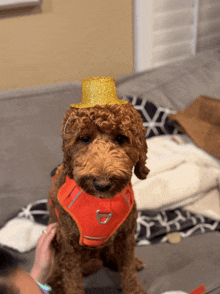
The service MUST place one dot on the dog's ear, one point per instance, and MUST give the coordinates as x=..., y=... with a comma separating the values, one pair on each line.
x=69, y=136
x=140, y=170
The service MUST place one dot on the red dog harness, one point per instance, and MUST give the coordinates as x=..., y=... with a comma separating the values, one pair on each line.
x=97, y=219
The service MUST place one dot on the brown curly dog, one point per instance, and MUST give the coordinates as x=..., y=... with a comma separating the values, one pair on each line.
x=101, y=145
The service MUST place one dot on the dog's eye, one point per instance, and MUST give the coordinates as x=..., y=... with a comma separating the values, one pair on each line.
x=85, y=140
x=121, y=139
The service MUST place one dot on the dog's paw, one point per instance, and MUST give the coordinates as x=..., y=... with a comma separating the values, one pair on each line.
x=139, y=264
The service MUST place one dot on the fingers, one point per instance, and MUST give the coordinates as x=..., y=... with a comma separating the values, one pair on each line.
x=50, y=234
x=43, y=256
x=51, y=227
x=51, y=230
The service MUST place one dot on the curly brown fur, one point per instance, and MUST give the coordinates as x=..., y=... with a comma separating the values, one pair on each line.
x=101, y=146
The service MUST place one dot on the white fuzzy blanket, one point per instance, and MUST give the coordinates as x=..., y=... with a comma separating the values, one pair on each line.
x=181, y=175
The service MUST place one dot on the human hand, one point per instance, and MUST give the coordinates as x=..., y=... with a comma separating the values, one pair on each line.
x=44, y=259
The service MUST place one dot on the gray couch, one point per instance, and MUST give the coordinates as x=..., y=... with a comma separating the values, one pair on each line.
x=31, y=148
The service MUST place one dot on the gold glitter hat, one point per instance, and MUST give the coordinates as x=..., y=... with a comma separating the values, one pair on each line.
x=98, y=90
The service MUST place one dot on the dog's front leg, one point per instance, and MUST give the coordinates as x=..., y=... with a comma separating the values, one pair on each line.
x=72, y=274
x=126, y=264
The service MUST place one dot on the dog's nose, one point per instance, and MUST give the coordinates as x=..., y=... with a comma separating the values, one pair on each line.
x=101, y=185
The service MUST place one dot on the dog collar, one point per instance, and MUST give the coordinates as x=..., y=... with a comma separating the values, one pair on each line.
x=97, y=219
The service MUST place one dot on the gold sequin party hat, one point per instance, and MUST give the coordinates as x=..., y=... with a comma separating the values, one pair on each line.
x=98, y=90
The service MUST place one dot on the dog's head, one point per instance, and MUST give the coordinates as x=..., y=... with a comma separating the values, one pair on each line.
x=101, y=146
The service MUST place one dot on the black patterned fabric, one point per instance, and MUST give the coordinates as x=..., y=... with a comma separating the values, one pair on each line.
x=36, y=212
x=152, y=227
x=155, y=118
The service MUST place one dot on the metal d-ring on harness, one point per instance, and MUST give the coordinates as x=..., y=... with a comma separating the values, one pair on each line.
x=99, y=215
x=108, y=215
